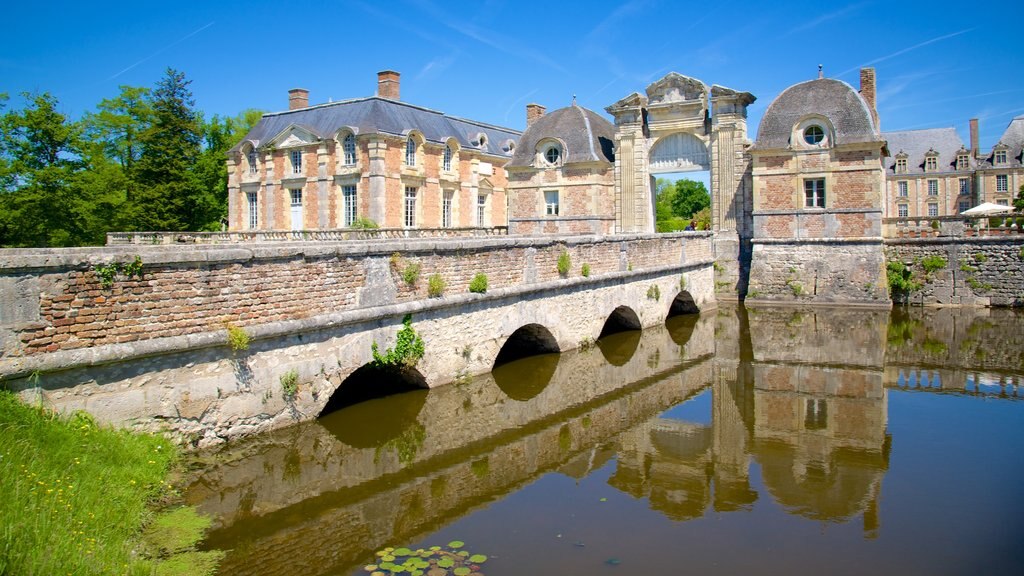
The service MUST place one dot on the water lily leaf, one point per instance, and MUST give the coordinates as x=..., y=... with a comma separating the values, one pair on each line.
x=478, y=558
x=417, y=572
x=435, y=548
x=398, y=569
x=446, y=562
x=386, y=565
x=456, y=544
x=461, y=571
x=388, y=558
x=402, y=552
x=462, y=553
x=604, y=499
x=370, y=568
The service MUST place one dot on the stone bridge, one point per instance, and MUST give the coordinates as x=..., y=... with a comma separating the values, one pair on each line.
x=148, y=345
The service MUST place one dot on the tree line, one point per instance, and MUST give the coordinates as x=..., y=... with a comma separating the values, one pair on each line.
x=146, y=160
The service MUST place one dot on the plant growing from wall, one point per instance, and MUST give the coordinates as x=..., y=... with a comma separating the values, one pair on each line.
x=436, y=285
x=290, y=384
x=654, y=293
x=795, y=287
x=238, y=339
x=407, y=352
x=364, y=223
x=411, y=273
x=682, y=282
x=980, y=257
x=478, y=285
x=585, y=270
x=900, y=279
x=564, y=263
x=932, y=264
x=108, y=273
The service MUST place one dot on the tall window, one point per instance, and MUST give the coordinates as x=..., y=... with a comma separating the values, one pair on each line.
x=901, y=165
x=551, y=202
x=446, y=208
x=933, y=209
x=1000, y=157
x=348, y=195
x=901, y=210
x=410, y=206
x=962, y=162
x=931, y=164
x=348, y=146
x=446, y=161
x=254, y=212
x=901, y=188
x=1002, y=185
x=410, y=152
x=296, y=212
x=481, y=209
x=296, y=161
x=963, y=206
x=965, y=187
x=814, y=193
x=933, y=187
x=253, y=166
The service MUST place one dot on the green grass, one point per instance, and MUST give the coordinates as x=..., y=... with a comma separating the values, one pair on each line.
x=76, y=495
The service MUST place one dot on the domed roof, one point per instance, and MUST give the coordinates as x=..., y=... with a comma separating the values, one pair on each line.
x=586, y=135
x=834, y=99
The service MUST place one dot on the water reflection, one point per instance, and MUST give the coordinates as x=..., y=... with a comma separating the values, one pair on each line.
x=797, y=414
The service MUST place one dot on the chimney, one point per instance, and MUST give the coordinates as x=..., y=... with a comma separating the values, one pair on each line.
x=533, y=113
x=387, y=84
x=974, y=137
x=867, y=91
x=298, y=98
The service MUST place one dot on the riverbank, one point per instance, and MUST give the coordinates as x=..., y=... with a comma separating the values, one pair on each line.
x=79, y=499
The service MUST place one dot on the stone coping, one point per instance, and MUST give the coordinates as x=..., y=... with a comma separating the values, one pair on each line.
x=845, y=240
x=19, y=366
x=34, y=258
x=815, y=211
x=994, y=239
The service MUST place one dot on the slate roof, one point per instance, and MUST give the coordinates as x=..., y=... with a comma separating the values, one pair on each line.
x=375, y=115
x=1013, y=137
x=585, y=135
x=833, y=99
x=916, y=143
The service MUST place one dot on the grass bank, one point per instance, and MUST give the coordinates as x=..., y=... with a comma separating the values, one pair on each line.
x=76, y=499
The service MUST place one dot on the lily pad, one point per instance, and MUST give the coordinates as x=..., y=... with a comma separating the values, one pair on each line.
x=463, y=553
x=370, y=567
x=402, y=552
x=435, y=548
x=461, y=571
x=388, y=558
x=478, y=558
x=456, y=544
x=446, y=562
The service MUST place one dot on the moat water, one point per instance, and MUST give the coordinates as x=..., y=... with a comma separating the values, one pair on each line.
x=761, y=441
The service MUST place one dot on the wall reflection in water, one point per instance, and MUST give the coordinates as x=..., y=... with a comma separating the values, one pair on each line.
x=798, y=415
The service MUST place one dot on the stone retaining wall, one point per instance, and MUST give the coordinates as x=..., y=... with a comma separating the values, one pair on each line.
x=985, y=271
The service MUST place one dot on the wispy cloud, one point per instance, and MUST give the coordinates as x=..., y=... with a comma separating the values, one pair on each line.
x=164, y=49
x=518, y=101
x=393, y=20
x=905, y=50
x=436, y=66
x=920, y=103
x=824, y=18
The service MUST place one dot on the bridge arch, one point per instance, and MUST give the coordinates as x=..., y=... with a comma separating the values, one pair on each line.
x=621, y=319
x=369, y=382
x=682, y=304
x=527, y=340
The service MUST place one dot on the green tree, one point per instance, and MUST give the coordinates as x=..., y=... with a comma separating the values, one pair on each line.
x=40, y=148
x=167, y=197
x=690, y=197
x=1018, y=203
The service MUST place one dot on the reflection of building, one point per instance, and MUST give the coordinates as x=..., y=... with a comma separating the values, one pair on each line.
x=328, y=165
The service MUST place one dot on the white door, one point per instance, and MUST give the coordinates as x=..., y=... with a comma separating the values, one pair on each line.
x=296, y=209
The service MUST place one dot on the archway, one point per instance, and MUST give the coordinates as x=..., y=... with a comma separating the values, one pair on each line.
x=620, y=336
x=528, y=340
x=621, y=319
x=374, y=406
x=682, y=304
x=525, y=378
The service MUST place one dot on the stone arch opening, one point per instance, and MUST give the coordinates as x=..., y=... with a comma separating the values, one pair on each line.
x=528, y=340
x=622, y=319
x=682, y=304
x=525, y=378
x=371, y=382
x=679, y=152
x=374, y=406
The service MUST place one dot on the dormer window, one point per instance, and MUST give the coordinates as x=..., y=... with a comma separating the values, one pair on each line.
x=552, y=155
x=962, y=162
x=253, y=162
x=348, y=146
x=296, y=157
x=901, y=165
x=931, y=164
x=482, y=139
x=999, y=158
x=814, y=134
x=410, y=152
x=446, y=160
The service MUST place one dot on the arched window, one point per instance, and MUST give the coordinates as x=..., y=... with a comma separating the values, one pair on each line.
x=253, y=159
x=410, y=152
x=348, y=146
x=446, y=162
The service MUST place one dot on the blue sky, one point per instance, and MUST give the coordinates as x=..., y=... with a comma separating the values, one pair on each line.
x=938, y=63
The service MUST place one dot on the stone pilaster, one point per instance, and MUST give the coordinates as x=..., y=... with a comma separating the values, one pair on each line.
x=377, y=176
x=323, y=188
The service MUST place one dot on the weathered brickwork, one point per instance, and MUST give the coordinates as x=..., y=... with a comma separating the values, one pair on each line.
x=986, y=271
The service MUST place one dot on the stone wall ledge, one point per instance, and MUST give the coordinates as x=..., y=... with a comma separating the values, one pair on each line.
x=850, y=240
x=24, y=259
x=962, y=240
x=21, y=366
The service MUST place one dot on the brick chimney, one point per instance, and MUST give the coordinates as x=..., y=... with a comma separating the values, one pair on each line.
x=533, y=113
x=974, y=137
x=298, y=98
x=867, y=91
x=387, y=84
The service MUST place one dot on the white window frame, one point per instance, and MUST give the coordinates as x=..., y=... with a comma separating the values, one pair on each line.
x=350, y=205
x=447, y=202
x=296, y=158
x=901, y=165
x=253, y=160
x=348, y=147
x=252, y=198
x=965, y=187
x=963, y=162
x=446, y=160
x=933, y=187
x=1002, y=183
x=409, y=206
x=410, y=152
x=999, y=158
x=902, y=188
x=814, y=193
x=931, y=164
x=902, y=210
x=933, y=209
x=481, y=210
x=551, y=202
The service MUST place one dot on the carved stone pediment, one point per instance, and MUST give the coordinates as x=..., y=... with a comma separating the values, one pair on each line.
x=293, y=136
x=675, y=87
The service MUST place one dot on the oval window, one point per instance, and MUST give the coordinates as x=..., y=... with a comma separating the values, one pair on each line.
x=814, y=134
x=552, y=154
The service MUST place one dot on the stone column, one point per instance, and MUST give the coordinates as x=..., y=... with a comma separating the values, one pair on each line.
x=323, y=188
x=377, y=176
x=633, y=208
x=268, y=199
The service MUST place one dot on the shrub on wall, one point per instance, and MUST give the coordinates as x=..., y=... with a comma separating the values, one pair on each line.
x=407, y=352
x=435, y=286
x=478, y=284
x=585, y=270
x=564, y=263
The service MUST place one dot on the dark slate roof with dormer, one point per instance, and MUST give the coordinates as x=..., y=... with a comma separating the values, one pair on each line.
x=1013, y=139
x=375, y=115
x=585, y=135
x=833, y=99
x=917, y=143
